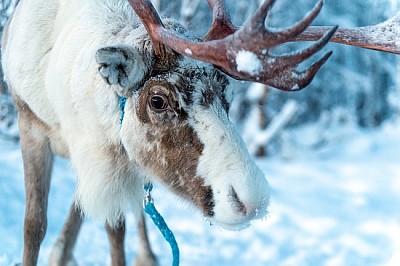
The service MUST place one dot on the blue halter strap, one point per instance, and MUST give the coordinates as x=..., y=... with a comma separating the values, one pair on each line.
x=159, y=221
x=122, y=102
x=151, y=210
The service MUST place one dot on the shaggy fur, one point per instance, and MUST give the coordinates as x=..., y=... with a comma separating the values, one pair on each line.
x=69, y=62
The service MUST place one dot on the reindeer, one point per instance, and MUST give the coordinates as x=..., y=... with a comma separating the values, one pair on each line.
x=68, y=64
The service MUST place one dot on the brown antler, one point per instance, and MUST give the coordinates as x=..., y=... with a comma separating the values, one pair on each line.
x=384, y=36
x=244, y=53
x=221, y=25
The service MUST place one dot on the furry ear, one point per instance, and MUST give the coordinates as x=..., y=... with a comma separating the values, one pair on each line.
x=123, y=65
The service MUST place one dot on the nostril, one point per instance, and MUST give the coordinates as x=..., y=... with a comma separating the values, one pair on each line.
x=237, y=205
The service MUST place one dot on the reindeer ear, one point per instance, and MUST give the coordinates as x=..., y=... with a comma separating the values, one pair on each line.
x=123, y=65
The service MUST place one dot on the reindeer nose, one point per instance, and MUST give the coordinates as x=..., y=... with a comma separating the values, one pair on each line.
x=237, y=204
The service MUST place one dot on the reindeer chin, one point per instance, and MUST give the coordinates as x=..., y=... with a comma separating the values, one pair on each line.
x=240, y=224
x=241, y=221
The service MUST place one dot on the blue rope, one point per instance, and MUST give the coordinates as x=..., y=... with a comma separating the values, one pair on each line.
x=159, y=221
x=122, y=102
x=149, y=207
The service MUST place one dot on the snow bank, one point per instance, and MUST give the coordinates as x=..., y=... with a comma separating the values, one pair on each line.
x=336, y=208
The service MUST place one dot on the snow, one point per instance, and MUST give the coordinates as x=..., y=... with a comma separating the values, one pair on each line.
x=337, y=205
x=248, y=62
x=188, y=51
x=255, y=91
x=277, y=123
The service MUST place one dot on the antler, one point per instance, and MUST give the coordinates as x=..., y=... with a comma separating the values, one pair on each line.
x=221, y=25
x=384, y=36
x=231, y=49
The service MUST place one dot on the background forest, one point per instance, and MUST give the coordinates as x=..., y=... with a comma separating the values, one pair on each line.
x=355, y=86
x=330, y=153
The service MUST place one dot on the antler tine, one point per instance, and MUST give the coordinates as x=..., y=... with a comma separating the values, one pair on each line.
x=295, y=81
x=252, y=39
x=152, y=22
x=284, y=66
x=380, y=37
x=301, y=25
x=259, y=17
x=221, y=25
x=256, y=24
x=297, y=57
x=305, y=78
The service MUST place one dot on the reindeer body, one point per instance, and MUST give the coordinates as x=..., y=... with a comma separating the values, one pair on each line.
x=68, y=63
x=57, y=76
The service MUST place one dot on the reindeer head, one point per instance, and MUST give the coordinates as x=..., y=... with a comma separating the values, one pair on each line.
x=189, y=144
x=176, y=128
x=176, y=125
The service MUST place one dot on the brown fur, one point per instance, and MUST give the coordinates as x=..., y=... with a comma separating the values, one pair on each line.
x=166, y=132
x=116, y=237
x=66, y=241
x=38, y=161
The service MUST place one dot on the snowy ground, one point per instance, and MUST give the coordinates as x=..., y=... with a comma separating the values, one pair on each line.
x=339, y=205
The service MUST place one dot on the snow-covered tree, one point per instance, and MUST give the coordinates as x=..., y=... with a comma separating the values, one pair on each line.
x=355, y=85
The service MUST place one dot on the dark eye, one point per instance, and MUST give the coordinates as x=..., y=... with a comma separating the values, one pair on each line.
x=158, y=102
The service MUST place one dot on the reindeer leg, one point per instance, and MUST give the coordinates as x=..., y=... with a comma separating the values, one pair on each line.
x=61, y=254
x=145, y=256
x=116, y=237
x=38, y=162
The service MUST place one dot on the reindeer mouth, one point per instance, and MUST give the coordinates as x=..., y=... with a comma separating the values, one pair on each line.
x=241, y=214
x=242, y=223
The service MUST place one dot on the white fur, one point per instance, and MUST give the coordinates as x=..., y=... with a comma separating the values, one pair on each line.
x=50, y=64
x=56, y=255
x=226, y=163
x=105, y=188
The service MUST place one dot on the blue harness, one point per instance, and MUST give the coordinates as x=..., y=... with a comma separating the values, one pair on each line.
x=149, y=207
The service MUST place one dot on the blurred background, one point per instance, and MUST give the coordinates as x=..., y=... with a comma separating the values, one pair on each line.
x=330, y=152
x=356, y=86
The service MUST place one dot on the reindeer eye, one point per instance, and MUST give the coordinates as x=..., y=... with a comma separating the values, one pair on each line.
x=158, y=102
